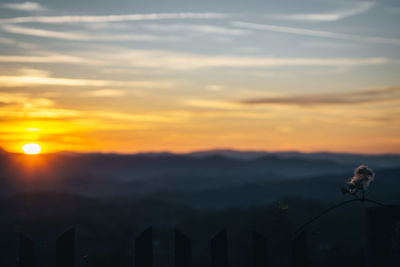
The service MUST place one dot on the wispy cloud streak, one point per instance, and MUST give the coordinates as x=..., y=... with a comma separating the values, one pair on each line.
x=315, y=33
x=45, y=33
x=31, y=80
x=49, y=58
x=159, y=59
x=76, y=36
x=7, y=41
x=347, y=98
x=104, y=93
x=359, y=8
x=112, y=18
x=204, y=28
x=25, y=6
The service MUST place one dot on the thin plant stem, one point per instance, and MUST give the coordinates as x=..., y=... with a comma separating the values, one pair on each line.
x=301, y=228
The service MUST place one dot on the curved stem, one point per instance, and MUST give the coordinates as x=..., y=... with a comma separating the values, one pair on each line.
x=334, y=207
x=323, y=213
x=373, y=201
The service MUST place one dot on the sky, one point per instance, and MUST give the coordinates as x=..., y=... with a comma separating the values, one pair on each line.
x=131, y=76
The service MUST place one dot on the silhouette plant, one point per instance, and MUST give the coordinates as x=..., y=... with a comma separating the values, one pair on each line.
x=363, y=176
x=357, y=186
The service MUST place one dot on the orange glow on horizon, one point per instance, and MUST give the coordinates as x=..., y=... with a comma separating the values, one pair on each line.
x=341, y=129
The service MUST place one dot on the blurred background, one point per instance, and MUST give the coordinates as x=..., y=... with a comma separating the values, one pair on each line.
x=196, y=115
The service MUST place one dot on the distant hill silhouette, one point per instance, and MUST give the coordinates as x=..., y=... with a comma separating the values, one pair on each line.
x=140, y=174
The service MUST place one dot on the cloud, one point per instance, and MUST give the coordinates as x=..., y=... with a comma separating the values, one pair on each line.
x=76, y=36
x=167, y=118
x=7, y=41
x=358, y=8
x=25, y=6
x=159, y=59
x=15, y=107
x=39, y=113
x=185, y=61
x=45, y=33
x=104, y=93
x=346, y=98
x=206, y=29
x=211, y=104
x=327, y=44
x=22, y=107
x=36, y=80
x=315, y=33
x=49, y=58
x=24, y=99
x=112, y=18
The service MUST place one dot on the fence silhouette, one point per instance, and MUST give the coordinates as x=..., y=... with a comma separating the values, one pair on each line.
x=383, y=245
x=65, y=250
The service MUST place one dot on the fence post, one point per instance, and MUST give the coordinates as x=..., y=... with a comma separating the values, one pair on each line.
x=144, y=249
x=26, y=253
x=65, y=249
x=383, y=236
x=260, y=248
x=219, y=250
x=183, y=250
x=300, y=250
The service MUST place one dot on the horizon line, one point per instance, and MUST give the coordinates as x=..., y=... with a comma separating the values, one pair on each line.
x=215, y=150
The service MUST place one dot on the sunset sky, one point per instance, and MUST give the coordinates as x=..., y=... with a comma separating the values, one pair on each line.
x=128, y=76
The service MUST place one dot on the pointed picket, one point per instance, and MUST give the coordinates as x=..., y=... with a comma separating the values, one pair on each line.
x=219, y=250
x=26, y=251
x=300, y=250
x=260, y=248
x=144, y=249
x=65, y=249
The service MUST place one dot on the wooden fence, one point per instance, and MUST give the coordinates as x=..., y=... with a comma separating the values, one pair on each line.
x=383, y=245
x=65, y=250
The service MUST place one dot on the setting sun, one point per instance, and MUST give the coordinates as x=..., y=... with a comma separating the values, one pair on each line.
x=31, y=148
